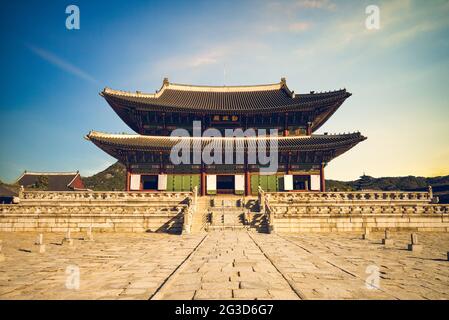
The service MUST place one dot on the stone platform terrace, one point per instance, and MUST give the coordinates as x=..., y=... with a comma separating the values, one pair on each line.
x=225, y=265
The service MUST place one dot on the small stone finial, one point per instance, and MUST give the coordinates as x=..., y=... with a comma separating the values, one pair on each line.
x=166, y=82
x=40, y=242
x=365, y=235
x=68, y=238
x=2, y=257
x=414, y=238
x=414, y=245
x=430, y=192
x=90, y=236
x=283, y=81
x=387, y=241
x=40, y=239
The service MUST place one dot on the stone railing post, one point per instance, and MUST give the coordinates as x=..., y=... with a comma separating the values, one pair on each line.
x=270, y=217
x=187, y=223
x=195, y=196
x=188, y=213
x=21, y=190
x=261, y=198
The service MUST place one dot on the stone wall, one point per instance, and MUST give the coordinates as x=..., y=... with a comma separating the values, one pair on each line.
x=104, y=211
x=173, y=212
x=354, y=211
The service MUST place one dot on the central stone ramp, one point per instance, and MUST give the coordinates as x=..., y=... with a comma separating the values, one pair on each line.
x=234, y=212
x=227, y=265
x=226, y=212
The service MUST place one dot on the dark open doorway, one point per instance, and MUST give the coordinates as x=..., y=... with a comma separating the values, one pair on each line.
x=149, y=182
x=301, y=182
x=225, y=183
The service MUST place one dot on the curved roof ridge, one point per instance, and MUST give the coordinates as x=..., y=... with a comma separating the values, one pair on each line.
x=65, y=173
x=224, y=88
x=199, y=88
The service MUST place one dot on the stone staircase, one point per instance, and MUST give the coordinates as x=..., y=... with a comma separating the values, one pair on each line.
x=228, y=212
x=226, y=218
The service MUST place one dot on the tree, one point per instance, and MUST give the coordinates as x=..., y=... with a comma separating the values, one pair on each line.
x=364, y=183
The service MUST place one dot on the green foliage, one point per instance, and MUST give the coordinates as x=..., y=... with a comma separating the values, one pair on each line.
x=334, y=185
x=111, y=179
x=13, y=188
x=40, y=184
x=364, y=183
x=440, y=185
x=387, y=183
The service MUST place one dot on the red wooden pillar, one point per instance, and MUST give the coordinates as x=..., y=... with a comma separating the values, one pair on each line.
x=203, y=181
x=247, y=183
x=128, y=177
x=286, y=125
x=309, y=128
x=322, y=180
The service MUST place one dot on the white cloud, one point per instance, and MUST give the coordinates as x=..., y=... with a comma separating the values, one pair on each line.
x=299, y=26
x=400, y=21
x=214, y=54
x=317, y=4
x=61, y=64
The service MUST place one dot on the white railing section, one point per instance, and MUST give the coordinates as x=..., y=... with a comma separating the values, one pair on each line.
x=189, y=211
x=353, y=196
x=101, y=196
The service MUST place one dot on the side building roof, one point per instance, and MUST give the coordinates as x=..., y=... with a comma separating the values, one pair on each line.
x=57, y=181
x=7, y=192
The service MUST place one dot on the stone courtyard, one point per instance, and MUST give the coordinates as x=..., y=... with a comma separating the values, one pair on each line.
x=229, y=264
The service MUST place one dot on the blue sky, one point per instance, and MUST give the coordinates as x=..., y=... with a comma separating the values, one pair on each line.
x=51, y=76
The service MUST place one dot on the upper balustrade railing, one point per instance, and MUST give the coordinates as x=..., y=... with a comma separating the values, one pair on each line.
x=352, y=196
x=101, y=196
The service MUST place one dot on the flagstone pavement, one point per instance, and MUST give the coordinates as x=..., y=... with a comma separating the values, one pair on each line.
x=223, y=265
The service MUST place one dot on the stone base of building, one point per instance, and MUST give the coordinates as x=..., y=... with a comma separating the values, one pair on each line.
x=99, y=223
x=184, y=213
x=360, y=223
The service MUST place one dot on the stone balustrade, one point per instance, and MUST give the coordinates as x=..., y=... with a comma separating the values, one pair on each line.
x=356, y=196
x=90, y=209
x=353, y=211
x=105, y=218
x=284, y=210
x=106, y=211
x=101, y=196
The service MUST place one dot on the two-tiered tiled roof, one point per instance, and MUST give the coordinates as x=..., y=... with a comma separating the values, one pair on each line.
x=274, y=101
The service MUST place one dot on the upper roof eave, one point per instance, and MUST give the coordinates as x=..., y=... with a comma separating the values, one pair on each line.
x=142, y=141
x=302, y=102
